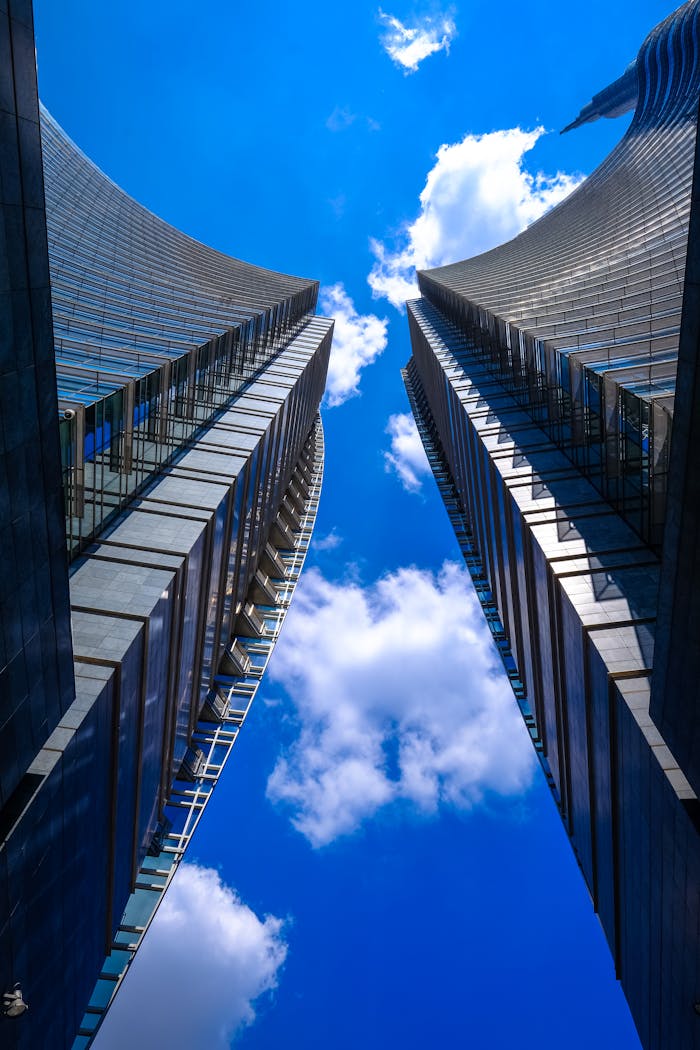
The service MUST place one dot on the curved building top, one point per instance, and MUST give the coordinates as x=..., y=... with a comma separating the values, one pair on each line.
x=583, y=309
x=154, y=333
x=621, y=207
x=124, y=280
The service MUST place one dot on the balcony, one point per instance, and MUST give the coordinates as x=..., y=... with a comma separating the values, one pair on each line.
x=250, y=623
x=215, y=708
x=302, y=477
x=272, y=563
x=290, y=512
x=236, y=660
x=263, y=590
x=159, y=837
x=281, y=534
x=193, y=765
x=297, y=497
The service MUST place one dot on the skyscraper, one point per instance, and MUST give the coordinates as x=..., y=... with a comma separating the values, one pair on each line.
x=543, y=381
x=161, y=467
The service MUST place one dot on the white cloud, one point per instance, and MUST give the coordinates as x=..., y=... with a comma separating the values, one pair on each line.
x=408, y=46
x=340, y=119
x=407, y=458
x=477, y=196
x=343, y=117
x=358, y=340
x=205, y=960
x=399, y=697
x=338, y=205
x=330, y=542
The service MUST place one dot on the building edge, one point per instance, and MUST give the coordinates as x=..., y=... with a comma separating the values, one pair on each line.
x=117, y=767
x=186, y=804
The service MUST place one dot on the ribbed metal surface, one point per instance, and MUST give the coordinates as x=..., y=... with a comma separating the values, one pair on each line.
x=124, y=279
x=580, y=314
x=154, y=333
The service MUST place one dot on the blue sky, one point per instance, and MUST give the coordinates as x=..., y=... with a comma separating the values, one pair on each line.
x=382, y=865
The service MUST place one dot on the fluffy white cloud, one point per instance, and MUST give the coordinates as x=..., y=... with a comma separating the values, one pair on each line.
x=205, y=960
x=408, y=46
x=358, y=340
x=407, y=458
x=477, y=196
x=399, y=697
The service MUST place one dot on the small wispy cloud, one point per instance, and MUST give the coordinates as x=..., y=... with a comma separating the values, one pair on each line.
x=167, y=1000
x=358, y=340
x=408, y=45
x=330, y=542
x=407, y=458
x=399, y=698
x=338, y=205
x=343, y=118
x=477, y=195
x=340, y=119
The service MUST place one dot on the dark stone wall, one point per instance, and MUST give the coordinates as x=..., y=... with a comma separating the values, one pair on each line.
x=36, y=673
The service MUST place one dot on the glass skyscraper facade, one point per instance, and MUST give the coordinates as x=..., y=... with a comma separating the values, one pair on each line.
x=553, y=381
x=161, y=467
